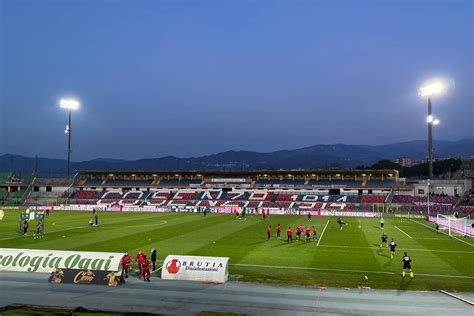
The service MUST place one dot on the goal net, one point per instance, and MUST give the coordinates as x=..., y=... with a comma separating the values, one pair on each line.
x=454, y=225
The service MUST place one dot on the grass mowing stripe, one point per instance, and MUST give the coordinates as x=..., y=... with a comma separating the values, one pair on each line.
x=347, y=270
x=442, y=232
x=403, y=232
x=321, y=237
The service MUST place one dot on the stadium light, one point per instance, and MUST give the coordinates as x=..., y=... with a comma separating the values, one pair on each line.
x=436, y=87
x=70, y=105
x=432, y=88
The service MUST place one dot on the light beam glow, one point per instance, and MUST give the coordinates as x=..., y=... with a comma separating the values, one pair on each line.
x=69, y=104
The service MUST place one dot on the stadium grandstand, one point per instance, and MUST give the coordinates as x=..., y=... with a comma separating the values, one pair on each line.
x=271, y=190
x=12, y=189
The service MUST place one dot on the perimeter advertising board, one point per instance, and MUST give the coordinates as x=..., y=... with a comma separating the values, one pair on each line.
x=32, y=260
x=86, y=277
x=193, y=268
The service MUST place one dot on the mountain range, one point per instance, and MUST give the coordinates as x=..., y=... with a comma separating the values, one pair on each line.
x=317, y=156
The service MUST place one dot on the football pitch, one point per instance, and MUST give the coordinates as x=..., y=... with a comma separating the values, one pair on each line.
x=340, y=258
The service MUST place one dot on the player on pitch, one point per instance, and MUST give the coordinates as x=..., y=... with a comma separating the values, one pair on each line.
x=340, y=222
x=315, y=234
x=269, y=232
x=278, y=231
x=392, y=245
x=407, y=265
x=289, y=235
x=298, y=232
x=384, y=238
x=307, y=232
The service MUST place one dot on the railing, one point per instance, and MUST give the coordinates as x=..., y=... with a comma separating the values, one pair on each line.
x=27, y=193
x=465, y=195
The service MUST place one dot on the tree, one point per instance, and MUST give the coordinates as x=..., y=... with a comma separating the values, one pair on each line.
x=386, y=164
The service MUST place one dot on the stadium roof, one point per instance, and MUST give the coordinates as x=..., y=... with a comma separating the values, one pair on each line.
x=385, y=172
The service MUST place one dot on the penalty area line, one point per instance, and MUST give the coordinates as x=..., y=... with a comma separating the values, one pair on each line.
x=322, y=234
x=347, y=270
x=403, y=232
x=442, y=232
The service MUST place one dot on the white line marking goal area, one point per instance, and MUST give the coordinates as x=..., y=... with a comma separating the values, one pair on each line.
x=321, y=237
x=404, y=232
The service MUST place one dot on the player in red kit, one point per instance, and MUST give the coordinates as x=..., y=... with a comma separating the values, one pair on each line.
x=269, y=231
x=278, y=230
x=146, y=269
x=315, y=233
x=307, y=232
x=298, y=232
x=126, y=260
x=289, y=235
x=139, y=259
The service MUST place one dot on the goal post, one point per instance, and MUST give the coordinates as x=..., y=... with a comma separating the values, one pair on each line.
x=455, y=225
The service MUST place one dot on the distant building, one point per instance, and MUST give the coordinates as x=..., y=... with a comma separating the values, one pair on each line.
x=404, y=161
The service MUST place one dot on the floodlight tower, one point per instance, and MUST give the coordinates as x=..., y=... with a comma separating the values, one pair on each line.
x=430, y=90
x=70, y=105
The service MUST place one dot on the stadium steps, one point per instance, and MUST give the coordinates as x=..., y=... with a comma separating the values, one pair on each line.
x=465, y=196
x=388, y=201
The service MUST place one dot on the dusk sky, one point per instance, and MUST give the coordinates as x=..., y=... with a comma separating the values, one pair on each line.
x=189, y=78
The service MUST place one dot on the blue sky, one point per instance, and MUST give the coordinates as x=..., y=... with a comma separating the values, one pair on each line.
x=189, y=78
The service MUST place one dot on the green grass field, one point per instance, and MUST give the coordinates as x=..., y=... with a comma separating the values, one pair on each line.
x=342, y=258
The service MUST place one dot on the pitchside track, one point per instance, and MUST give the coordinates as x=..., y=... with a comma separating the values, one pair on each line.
x=341, y=259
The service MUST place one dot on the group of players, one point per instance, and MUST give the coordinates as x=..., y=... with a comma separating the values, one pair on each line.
x=142, y=262
x=393, y=245
x=406, y=260
x=308, y=232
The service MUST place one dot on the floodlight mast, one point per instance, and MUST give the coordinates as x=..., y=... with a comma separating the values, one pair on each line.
x=70, y=105
x=428, y=91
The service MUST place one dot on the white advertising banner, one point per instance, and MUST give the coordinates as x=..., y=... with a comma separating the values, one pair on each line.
x=351, y=214
x=33, y=260
x=192, y=268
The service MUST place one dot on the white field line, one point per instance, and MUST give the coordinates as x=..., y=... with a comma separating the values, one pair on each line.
x=378, y=248
x=354, y=271
x=46, y=233
x=442, y=232
x=321, y=237
x=403, y=232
